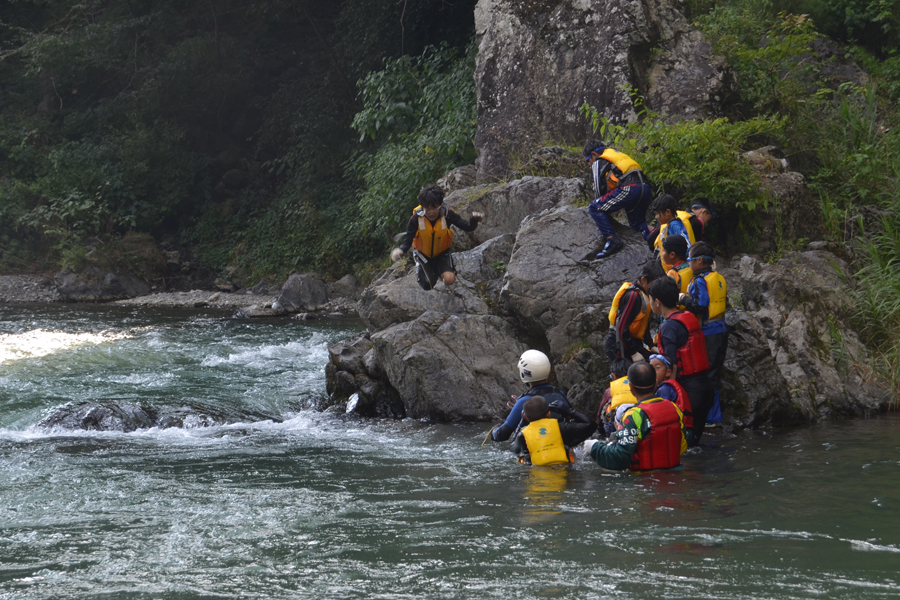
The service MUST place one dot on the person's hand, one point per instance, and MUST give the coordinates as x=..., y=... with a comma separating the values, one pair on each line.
x=396, y=254
x=637, y=357
x=586, y=447
x=476, y=217
x=683, y=298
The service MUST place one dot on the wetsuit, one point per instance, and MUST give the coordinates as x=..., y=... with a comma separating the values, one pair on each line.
x=430, y=269
x=555, y=397
x=636, y=427
x=574, y=426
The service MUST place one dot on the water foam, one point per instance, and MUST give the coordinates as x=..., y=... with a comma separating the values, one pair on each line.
x=41, y=342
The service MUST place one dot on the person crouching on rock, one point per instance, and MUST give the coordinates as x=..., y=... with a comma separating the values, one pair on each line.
x=651, y=435
x=534, y=371
x=430, y=236
x=619, y=184
x=545, y=439
x=682, y=342
x=629, y=320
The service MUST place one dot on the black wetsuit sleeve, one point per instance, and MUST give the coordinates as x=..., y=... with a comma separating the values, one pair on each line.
x=518, y=446
x=411, y=228
x=457, y=221
x=577, y=428
x=697, y=226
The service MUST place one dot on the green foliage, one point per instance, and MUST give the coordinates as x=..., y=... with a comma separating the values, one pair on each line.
x=694, y=158
x=420, y=112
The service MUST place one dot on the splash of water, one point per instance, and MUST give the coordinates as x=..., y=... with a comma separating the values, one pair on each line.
x=41, y=342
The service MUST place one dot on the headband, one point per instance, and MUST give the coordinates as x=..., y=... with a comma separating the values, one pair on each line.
x=662, y=358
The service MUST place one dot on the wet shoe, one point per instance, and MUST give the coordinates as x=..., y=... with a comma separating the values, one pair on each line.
x=612, y=246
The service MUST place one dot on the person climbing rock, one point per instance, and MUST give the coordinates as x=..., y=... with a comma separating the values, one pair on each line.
x=546, y=439
x=629, y=320
x=673, y=222
x=652, y=432
x=430, y=236
x=534, y=371
x=619, y=184
x=682, y=342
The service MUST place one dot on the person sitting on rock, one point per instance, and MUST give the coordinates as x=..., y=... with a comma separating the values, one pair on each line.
x=673, y=222
x=619, y=184
x=706, y=299
x=672, y=391
x=674, y=253
x=682, y=342
x=534, y=371
x=547, y=439
x=651, y=435
x=629, y=320
x=430, y=236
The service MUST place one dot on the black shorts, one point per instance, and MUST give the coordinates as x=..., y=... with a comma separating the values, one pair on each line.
x=428, y=273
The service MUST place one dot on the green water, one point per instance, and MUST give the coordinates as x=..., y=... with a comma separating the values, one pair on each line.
x=326, y=506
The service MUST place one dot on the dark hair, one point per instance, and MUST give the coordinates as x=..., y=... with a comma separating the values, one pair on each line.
x=701, y=202
x=642, y=376
x=703, y=249
x=592, y=145
x=431, y=195
x=652, y=270
x=665, y=290
x=676, y=244
x=536, y=408
x=664, y=203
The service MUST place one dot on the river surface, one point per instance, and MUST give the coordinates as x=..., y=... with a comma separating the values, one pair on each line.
x=326, y=506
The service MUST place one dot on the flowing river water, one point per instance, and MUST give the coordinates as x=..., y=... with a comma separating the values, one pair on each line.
x=322, y=505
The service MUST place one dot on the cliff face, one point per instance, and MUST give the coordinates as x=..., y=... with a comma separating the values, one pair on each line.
x=540, y=60
x=522, y=280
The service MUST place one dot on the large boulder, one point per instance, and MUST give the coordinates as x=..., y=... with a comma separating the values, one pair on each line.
x=451, y=367
x=539, y=61
x=93, y=284
x=504, y=207
x=301, y=292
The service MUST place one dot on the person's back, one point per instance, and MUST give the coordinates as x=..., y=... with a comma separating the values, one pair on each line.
x=546, y=440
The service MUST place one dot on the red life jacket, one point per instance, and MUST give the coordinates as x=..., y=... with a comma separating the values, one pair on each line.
x=683, y=402
x=692, y=357
x=663, y=447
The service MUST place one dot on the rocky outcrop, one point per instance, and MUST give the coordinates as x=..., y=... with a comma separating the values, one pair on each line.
x=28, y=288
x=93, y=284
x=301, y=292
x=539, y=61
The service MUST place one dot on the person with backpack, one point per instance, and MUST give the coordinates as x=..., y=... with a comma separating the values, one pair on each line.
x=629, y=320
x=673, y=222
x=428, y=233
x=546, y=439
x=619, y=184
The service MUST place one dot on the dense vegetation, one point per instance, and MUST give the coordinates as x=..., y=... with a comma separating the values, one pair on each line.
x=225, y=126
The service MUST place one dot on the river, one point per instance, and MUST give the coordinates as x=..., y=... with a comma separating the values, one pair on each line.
x=323, y=505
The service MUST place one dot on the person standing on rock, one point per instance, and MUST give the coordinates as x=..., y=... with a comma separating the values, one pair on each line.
x=619, y=184
x=547, y=439
x=534, y=371
x=707, y=299
x=673, y=222
x=682, y=343
x=428, y=233
x=651, y=435
x=629, y=320
x=674, y=253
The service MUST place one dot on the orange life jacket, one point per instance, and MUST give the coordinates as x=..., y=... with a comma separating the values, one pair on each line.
x=638, y=327
x=432, y=239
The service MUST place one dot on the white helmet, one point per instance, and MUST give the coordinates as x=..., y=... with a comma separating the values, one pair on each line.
x=534, y=366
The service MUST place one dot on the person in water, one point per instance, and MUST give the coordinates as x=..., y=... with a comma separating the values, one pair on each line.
x=534, y=371
x=706, y=299
x=672, y=391
x=428, y=233
x=619, y=184
x=682, y=343
x=673, y=222
x=651, y=435
x=547, y=439
x=629, y=320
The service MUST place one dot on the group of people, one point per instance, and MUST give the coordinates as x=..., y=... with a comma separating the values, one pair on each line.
x=663, y=387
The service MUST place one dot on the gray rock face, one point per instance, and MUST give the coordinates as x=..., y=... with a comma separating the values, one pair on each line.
x=539, y=61
x=450, y=367
x=301, y=292
x=28, y=288
x=345, y=287
x=506, y=206
x=356, y=381
x=95, y=285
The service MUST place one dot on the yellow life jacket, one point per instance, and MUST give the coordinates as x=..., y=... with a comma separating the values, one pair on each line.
x=685, y=219
x=430, y=239
x=622, y=162
x=621, y=393
x=638, y=327
x=545, y=443
x=718, y=291
x=682, y=278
